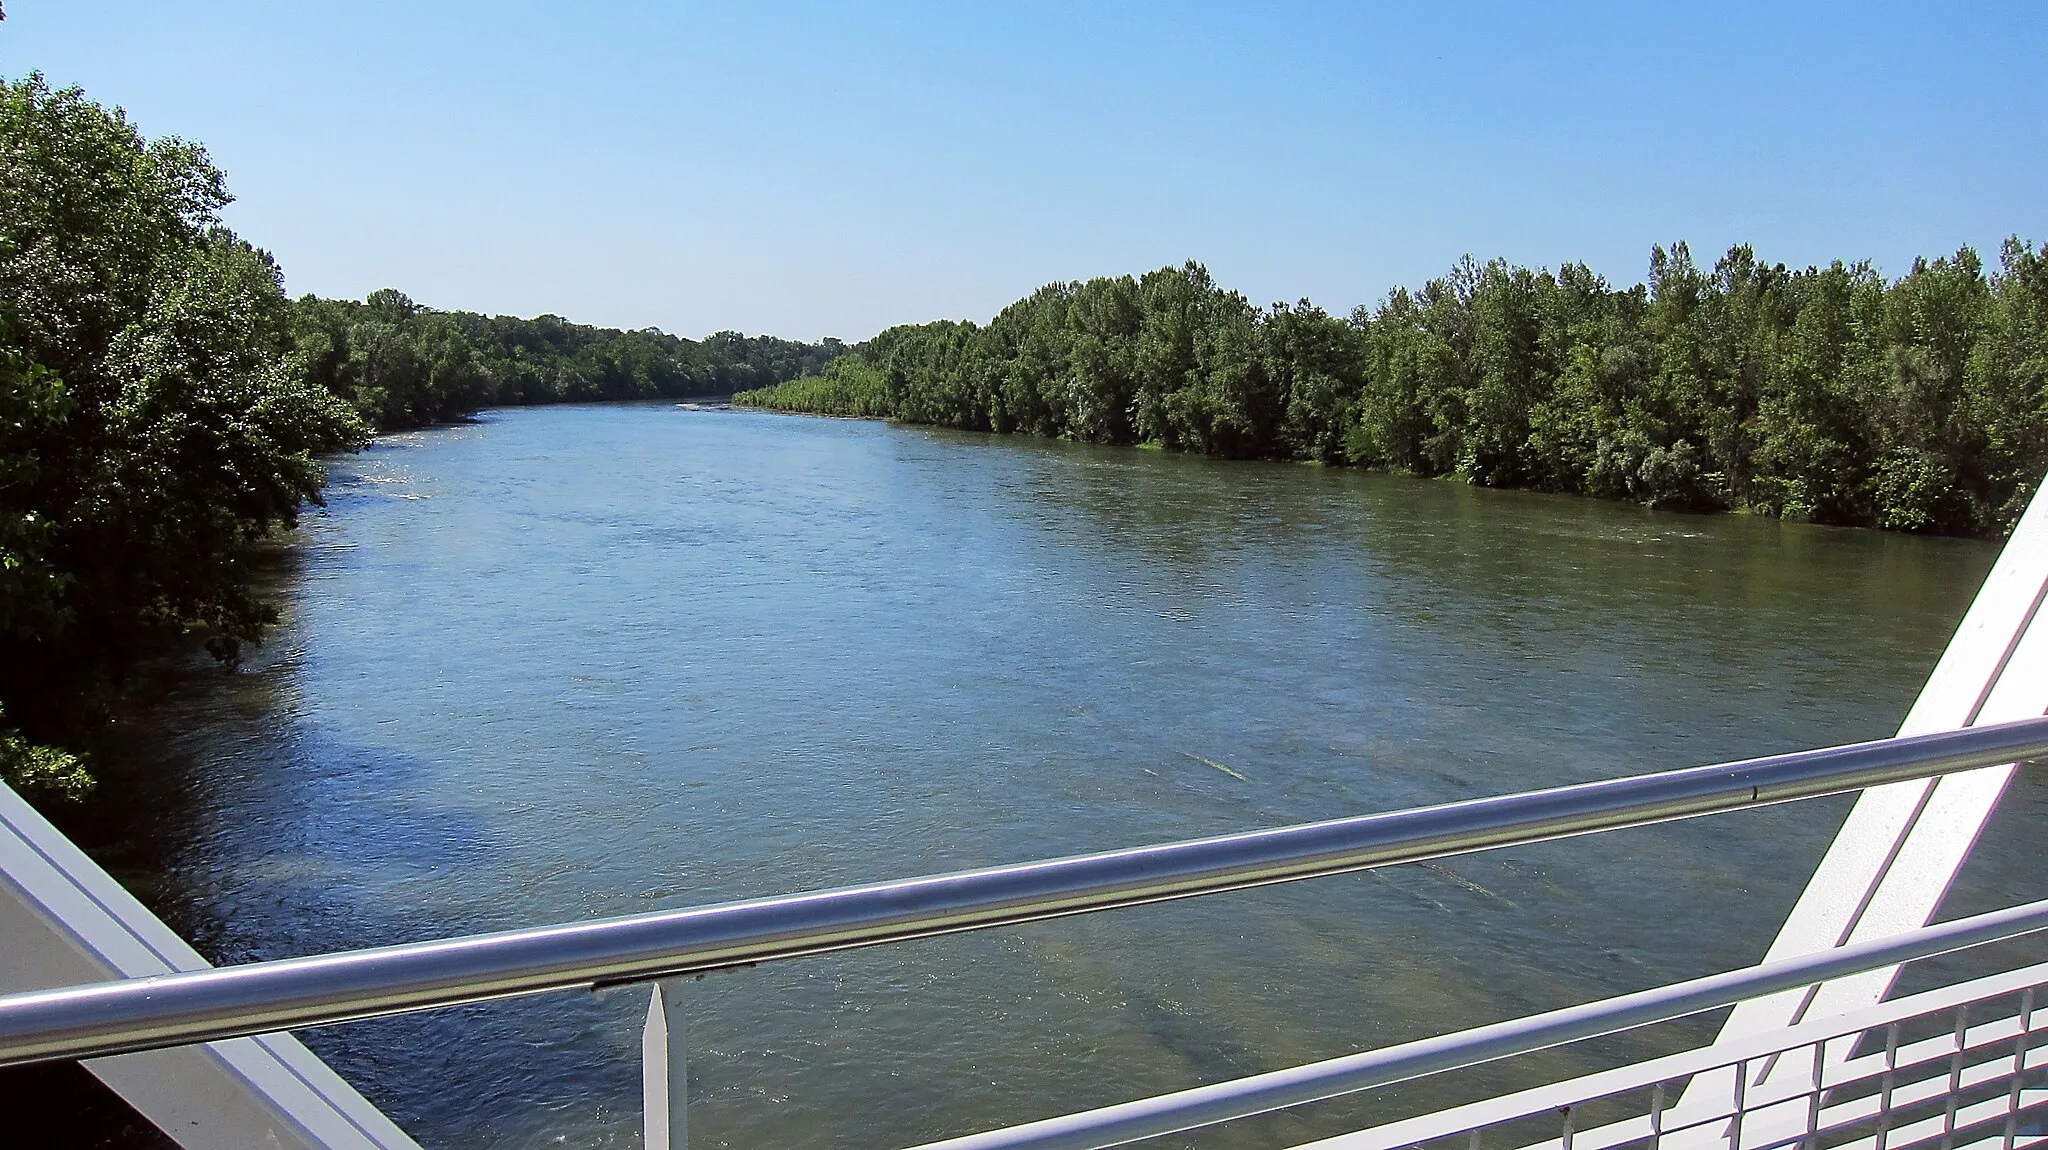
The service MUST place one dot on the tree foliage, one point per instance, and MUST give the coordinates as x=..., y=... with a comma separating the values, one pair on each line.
x=154, y=425
x=1824, y=394
x=400, y=364
x=849, y=386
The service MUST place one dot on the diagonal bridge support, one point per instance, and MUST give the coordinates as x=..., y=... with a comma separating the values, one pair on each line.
x=65, y=921
x=1903, y=844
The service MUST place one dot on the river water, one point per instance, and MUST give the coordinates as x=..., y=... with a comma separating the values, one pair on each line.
x=573, y=662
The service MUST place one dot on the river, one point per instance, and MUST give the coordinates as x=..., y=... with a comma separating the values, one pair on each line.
x=573, y=662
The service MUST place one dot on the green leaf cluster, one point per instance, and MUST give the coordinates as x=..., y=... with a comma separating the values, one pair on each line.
x=849, y=386
x=40, y=770
x=155, y=425
x=1824, y=394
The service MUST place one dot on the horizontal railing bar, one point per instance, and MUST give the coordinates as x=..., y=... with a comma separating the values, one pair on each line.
x=1601, y=1084
x=1979, y=1118
x=1908, y=1093
x=1933, y=1055
x=1262, y=1093
x=1927, y=1090
x=255, y=998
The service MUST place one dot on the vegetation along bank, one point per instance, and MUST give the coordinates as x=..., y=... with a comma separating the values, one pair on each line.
x=1826, y=394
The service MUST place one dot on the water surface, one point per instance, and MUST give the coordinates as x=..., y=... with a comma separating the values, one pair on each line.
x=574, y=662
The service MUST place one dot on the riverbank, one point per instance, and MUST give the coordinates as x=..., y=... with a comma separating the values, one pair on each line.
x=741, y=403
x=1827, y=394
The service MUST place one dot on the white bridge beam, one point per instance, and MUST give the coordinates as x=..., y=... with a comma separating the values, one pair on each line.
x=1902, y=845
x=64, y=921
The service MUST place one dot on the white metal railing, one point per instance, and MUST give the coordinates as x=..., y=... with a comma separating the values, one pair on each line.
x=99, y=1019
x=1263, y=1093
x=1974, y=1073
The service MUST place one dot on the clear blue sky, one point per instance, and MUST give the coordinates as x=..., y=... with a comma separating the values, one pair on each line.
x=807, y=170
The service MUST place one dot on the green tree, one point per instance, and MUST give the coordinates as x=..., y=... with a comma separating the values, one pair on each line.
x=156, y=428
x=1824, y=394
x=2006, y=382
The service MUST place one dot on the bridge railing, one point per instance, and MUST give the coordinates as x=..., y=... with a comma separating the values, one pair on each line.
x=205, y=1005
x=1318, y=1081
x=1958, y=1066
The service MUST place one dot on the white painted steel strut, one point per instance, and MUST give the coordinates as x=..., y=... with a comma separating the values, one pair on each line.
x=63, y=921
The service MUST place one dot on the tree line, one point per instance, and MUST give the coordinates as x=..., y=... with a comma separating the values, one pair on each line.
x=163, y=406
x=400, y=364
x=1826, y=394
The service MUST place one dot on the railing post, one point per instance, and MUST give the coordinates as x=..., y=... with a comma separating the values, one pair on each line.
x=665, y=1097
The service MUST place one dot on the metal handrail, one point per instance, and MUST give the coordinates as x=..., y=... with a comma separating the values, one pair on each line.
x=1201, y=1106
x=256, y=998
x=1731, y=1054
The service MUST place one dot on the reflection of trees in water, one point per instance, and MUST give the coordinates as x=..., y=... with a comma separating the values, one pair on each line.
x=1523, y=573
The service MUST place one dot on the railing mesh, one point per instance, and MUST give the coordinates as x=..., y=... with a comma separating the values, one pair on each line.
x=1963, y=1066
